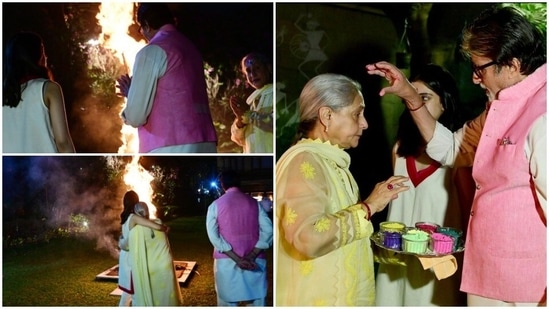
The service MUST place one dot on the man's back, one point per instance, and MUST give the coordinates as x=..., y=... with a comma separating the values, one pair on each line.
x=238, y=220
x=180, y=113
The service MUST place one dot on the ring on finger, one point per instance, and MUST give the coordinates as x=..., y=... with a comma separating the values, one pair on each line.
x=390, y=186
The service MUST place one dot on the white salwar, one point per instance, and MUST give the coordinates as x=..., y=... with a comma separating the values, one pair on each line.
x=232, y=284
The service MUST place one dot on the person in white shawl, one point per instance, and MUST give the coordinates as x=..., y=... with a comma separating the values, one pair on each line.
x=253, y=125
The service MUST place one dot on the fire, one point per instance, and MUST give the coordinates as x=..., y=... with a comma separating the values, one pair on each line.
x=115, y=18
x=139, y=180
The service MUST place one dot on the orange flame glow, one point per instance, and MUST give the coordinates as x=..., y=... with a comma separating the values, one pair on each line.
x=139, y=180
x=115, y=18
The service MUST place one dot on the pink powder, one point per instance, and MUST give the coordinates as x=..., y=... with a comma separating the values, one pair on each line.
x=442, y=243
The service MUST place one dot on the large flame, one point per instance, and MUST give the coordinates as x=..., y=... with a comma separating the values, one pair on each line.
x=115, y=18
x=139, y=180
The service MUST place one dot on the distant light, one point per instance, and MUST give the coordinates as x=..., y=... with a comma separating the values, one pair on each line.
x=86, y=223
x=93, y=42
x=213, y=184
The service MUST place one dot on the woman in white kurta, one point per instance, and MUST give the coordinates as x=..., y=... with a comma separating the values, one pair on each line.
x=33, y=108
x=431, y=198
x=323, y=251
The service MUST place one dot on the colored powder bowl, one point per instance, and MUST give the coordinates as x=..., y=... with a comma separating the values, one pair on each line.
x=456, y=235
x=415, y=242
x=390, y=226
x=392, y=240
x=442, y=243
x=428, y=227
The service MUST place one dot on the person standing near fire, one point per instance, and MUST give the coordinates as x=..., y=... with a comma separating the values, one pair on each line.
x=127, y=220
x=166, y=96
x=153, y=272
x=33, y=107
x=240, y=232
x=253, y=125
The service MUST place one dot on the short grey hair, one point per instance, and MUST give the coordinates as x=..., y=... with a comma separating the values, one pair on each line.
x=325, y=90
x=141, y=209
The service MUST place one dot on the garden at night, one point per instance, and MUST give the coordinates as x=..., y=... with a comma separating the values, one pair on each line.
x=61, y=221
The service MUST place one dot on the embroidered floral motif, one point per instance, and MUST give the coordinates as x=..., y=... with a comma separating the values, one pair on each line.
x=322, y=225
x=306, y=267
x=290, y=217
x=307, y=170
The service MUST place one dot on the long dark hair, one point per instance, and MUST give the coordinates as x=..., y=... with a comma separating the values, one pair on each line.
x=22, y=62
x=130, y=199
x=436, y=78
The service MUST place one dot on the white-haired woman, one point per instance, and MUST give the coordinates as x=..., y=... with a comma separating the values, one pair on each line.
x=324, y=256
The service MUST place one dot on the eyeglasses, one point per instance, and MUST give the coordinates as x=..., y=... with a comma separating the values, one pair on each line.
x=477, y=70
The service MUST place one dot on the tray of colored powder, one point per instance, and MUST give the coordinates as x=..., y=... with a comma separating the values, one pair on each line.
x=377, y=238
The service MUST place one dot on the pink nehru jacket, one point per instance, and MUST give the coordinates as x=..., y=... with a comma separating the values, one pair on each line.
x=238, y=222
x=180, y=113
x=505, y=250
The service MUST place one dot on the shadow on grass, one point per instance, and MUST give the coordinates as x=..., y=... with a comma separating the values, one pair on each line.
x=62, y=272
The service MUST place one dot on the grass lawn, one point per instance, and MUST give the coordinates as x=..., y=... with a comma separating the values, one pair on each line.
x=62, y=272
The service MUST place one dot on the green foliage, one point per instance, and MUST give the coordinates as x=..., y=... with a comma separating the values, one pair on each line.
x=113, y=168
x=219, y=94
x=536, y=13
x=78, y=223
x=165, y=184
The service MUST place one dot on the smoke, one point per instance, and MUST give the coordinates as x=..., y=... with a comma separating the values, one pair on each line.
x=95, y=114
x=97, y=126
x=79, y=187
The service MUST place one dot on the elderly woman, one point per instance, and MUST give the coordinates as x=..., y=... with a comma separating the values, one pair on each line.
x=128, y=220
x=155, y=282
x=324, y=257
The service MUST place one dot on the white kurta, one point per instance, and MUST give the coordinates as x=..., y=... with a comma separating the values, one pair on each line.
x=124, y=270
x=233, y=284
x=251, y=137
x=433, y=200
x=27, y=128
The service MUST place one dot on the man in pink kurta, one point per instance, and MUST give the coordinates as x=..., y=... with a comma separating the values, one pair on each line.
x=167, y=97
x=240, y=231
x=506, y=244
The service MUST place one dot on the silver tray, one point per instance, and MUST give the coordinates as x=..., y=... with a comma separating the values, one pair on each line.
x=376, y=238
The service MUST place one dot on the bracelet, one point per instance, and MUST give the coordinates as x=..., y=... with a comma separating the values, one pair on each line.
x=368, y=209
x=415, y=109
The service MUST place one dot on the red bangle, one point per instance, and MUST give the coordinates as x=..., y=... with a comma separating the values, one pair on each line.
x=368, y=209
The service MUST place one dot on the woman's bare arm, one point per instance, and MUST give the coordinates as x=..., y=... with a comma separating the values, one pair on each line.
x=53, y=98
